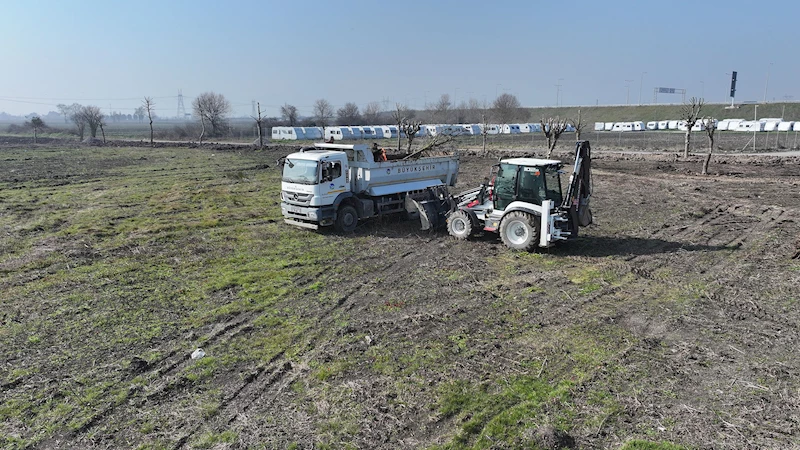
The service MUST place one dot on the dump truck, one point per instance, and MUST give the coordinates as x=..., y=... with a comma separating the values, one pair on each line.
x=338, y=185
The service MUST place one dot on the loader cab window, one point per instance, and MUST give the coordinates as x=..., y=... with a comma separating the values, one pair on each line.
x=505, y=186
x=531, y=185
x=552, y=182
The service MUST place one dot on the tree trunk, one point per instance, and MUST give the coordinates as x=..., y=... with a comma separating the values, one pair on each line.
x=261, y=139
x=151, y=131
x=484, y=145
x=34, y=135
x=577, y=135
x=103, y=130
x=202, y=128
x=687, y=140
x=398, y=138
x=705, y=163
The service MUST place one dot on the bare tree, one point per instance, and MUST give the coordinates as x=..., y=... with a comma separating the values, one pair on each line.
x=323, y=113
x=36, y=123
x=289, y=114
x=410, y=128
x=399, y=115
x=711, y=127
x=212, y=109
x=64, y=110
x=506, y=108
x=348, y=114
x=77, y=118
x=579, y=124
x=484, y=129
x=92, y=116
x=103, y=129
x=552, y=128
x=442, y=108
x=372, y=113
x=474, y=111
x=138, y=114
x=690, y=113
x=148, y=104
x=260, y=125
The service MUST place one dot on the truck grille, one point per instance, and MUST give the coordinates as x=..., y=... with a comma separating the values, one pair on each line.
x=296, y=198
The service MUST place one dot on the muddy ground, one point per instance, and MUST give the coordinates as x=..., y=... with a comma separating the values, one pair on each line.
x=674, y=317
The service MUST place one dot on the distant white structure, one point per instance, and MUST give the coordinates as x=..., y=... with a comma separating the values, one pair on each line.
x=312, y=132
x=638, y=126
x=338, y=133
x=750, y=126
x=287, y=133
x=663, y=124
x=771, y=124
x=493, y=129
x=652, y=126
x=599, y=126
x=672, y=124
x=733, y=124
x=511, y=128
x=786, y=126
x=608, y=126
x=622, y=126
x=796, y=126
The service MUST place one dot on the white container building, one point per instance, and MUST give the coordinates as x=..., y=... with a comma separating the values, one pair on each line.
x=663, y=124
x=652, y=126
x=786, y=126
x=312, y=132
x=608, y=126
x=287, y=133
x=638, y=126
x=511, y=128
x=750, y=126
x=622, y=126
x=599, y=126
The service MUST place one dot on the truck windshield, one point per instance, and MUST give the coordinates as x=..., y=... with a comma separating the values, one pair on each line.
x=300, y=171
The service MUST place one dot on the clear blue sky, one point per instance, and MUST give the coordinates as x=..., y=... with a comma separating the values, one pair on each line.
x=113, y=53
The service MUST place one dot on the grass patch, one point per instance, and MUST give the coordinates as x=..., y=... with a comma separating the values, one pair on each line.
x=649, y=445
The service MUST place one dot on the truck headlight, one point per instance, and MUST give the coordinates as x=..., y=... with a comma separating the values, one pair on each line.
x=312, y=215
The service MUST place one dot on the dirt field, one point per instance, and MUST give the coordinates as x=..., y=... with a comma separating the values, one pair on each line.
x=671, y=322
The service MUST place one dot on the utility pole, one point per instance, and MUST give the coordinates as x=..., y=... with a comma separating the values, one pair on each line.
x=755, y=119
x=766, y=84
x=628, y=95
x=641, y=81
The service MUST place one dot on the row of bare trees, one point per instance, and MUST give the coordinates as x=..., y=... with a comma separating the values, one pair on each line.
x=505, y=109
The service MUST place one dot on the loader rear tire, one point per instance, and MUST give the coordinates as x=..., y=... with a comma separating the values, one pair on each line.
x=459, y=225
x=519, y=231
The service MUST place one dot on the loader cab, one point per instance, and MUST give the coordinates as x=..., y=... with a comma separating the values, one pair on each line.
x=527, y=180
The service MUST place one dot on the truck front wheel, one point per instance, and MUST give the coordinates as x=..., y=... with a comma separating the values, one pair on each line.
x=519, y=231
x=346, y=219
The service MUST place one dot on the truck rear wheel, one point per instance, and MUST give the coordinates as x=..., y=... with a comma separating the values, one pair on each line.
x=346, y=219
x=459, y=225
x=519, y=231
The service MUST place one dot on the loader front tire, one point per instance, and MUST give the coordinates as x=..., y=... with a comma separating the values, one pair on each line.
x=459, y=225
x=519, y=231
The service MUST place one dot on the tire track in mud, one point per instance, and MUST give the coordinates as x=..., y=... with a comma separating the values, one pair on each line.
x=280, y=369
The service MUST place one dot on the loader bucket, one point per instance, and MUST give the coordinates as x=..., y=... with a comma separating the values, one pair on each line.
x=432, y=209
